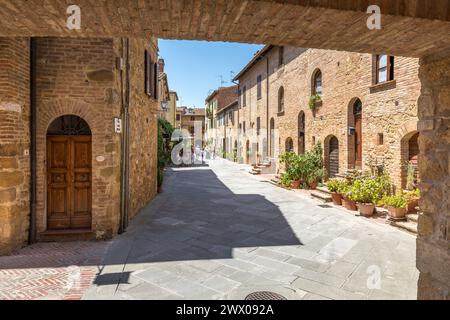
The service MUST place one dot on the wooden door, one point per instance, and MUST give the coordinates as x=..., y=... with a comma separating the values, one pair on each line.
x=358, y=142
x=333, y=158
x=69, y=194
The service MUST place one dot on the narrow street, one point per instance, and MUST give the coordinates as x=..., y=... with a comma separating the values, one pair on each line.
x=218, y=233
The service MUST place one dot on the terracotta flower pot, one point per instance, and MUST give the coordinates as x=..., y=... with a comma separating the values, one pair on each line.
x=397, y=213
x=295, y=184
x=337, y=198
x=349, y=204
x=366, y=209
x=412, y=204
x=313, y=185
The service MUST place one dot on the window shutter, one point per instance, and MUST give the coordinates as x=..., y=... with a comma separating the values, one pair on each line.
x=155, y=81
x=146, y=75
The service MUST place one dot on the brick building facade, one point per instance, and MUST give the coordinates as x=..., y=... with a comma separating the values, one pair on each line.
x=219, y=99
x=354, y=111
x=89, y=178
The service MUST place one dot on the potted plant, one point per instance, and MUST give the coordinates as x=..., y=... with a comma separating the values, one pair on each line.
x=335, y=186
x=397, y=206
x=364, y=193
x=347, y=200
x=314, y=177
x=412, y=198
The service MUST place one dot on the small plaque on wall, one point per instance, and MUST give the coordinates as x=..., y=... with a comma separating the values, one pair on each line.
x=117, y=125
x=100, y=158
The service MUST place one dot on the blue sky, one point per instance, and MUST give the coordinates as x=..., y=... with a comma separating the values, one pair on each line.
x=194, y=67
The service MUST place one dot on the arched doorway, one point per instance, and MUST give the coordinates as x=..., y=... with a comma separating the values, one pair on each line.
x=235, y=151
x=332, y=156
x=410, y=159
x=289, y=145
x=355, y=140
x=272, y=138
x=69, y=174
x=301, y=132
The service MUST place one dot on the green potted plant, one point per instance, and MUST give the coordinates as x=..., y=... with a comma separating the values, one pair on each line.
x=364, y=192
x=347, y=201
x=397, y=206
x=335, y=186
x=314, y=177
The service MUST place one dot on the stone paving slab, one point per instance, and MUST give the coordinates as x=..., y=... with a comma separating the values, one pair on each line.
x=219, y=233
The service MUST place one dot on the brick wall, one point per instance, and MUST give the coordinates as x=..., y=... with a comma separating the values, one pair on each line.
x=75, y=76
x=390, y=110
x=14, y=143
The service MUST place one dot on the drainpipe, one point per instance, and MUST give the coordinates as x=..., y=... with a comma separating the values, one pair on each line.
x=125, y=90
x=33, y=155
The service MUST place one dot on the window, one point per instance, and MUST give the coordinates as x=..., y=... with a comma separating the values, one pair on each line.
x=192, y=118
x=258, y=125
x=239, y=95
x=151, y=76
x=243, y=127
x=178, y=117
x=317, y=83
x=280, y=56
x=259, y=86
x=244, y=96
x=281, y=100
x=384, y=68
x=380, y=139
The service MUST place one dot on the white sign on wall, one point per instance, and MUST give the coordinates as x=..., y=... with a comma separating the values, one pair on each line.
x=117, y=125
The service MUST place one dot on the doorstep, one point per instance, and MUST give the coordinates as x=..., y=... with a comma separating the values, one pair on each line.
x=66, y=235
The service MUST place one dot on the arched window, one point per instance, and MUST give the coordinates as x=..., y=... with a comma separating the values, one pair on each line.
x=289, y=145
x=357, y=108
x=281, y=100
x=317, y=83
x=69, y=125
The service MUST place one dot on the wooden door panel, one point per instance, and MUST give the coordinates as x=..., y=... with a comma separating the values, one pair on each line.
x=69, y=182
x=333, y=169
x=58, y=178
x=82, y=185
x=358, y=142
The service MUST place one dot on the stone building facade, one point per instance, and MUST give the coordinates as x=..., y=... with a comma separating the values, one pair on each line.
x=193, y=121
x=219, y=99
x=89, y=178
x=354, y=111
x=227, y=134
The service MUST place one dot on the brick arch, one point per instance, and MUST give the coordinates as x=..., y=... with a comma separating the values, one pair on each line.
x=60, y=107
x=406, y=129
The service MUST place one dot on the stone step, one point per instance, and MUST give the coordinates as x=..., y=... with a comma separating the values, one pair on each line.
x=406, y=225
x=325, y=197
x=412, y=217
x=323, y=189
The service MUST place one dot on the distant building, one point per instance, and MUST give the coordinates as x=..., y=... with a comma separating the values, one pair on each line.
x=219, y=99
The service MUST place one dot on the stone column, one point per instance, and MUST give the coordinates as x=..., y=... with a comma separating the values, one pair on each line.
x=14, y=143
x=433, y=242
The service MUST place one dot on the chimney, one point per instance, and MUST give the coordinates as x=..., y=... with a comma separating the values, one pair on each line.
x=161, y=65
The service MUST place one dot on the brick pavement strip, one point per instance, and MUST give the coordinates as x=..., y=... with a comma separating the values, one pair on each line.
x=50, y=271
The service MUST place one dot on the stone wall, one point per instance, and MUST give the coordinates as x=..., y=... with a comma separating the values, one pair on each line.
x=143, y=129
x=433, y=243
x=14, y=142
x=390, y=110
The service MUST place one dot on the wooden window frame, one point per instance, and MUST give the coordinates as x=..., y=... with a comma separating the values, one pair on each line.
x=150, y=76
x=259, y=87
x=390, y=68
x=281, y=100
x=317, y=73
x=280, y=56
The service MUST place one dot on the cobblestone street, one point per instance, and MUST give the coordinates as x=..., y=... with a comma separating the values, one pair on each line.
x=218, y=233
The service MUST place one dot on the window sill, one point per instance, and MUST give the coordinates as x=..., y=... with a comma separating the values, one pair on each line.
x=388, y=85
x=280, y=114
